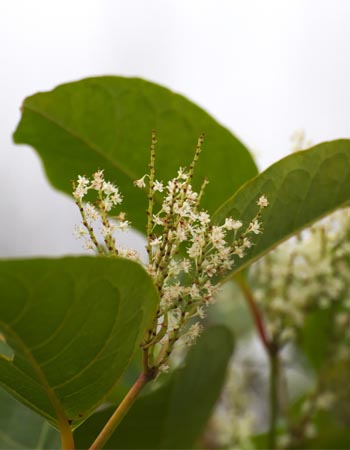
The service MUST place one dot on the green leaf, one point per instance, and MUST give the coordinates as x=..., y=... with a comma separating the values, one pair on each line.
x=22, y=428
x=73, y=324
x=301, y=188
x=106, y=123
x=174, y=416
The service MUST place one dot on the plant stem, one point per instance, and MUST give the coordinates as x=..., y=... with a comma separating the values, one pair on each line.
x=67, y=441
x=272, y=351
x=121, y=411
x=274, y=406
x=256, y=314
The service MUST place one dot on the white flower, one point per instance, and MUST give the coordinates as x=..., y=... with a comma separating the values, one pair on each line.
x=194, y=251
x=231, y=224
x=246, y=243
x=158, y=220
x=80, y=191
x=239, y=251
x=109, y=188
x=121, y=216
x=129, y=253
x=140, y=183
x=193, y=333
x=194, y=291
x=97, y=180
x=254, y=227
x=123, y=225
x=116, y=198
x=91, y=212
x=89, y=245
x=106, y=204
x=217, y=237
x=83, y=181
x=79, y=231
x=156, y=241
x=203, y=218
x=262, y=202
x=158, y=186
x=108, y=230
x=182, y=174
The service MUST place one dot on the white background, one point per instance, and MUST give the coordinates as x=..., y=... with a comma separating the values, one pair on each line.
x=263, y=68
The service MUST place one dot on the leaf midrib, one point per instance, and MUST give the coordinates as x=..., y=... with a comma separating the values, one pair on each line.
x=78, y=137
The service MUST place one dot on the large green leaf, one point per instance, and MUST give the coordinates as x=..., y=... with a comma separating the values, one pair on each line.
x=174, y=416
x=301, y=188
x=106, y=123
x=22, y=428
x=73, y=324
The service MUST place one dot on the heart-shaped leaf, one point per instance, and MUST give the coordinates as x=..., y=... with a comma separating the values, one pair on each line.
x=106, y=123
x=174, y=416
x=73, y=324
x=300, y=188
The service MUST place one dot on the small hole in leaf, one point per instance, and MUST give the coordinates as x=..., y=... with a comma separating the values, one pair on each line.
x=6, y=351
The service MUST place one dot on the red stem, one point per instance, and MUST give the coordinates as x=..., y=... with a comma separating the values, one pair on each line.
x=256, y=314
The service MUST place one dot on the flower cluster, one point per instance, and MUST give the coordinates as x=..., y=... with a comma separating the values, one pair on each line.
x=97, y=216
x=187, y=253
x=307, y=275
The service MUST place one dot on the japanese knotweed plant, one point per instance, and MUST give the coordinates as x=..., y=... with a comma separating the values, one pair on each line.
x=77, y=331
x=187, y=254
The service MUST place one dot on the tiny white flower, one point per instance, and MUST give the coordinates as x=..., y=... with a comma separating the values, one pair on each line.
x=193, y=333
x=254, y=227
x=124, y=225
x=182, y=174
x=246, y=243
x=194, y=291
x=204, y=218
x=116, y=198
x=80, y=191
x=106, y=204
x=97, y=181
x=194, y=251
x=140, y=183
x=231, y=224
x=79, y=231
x=262, y=202
x=121, y=216
x=83, y=181
x=91, y=212
x=89, y=245
x=109, y=188
x=158, y=220
x=239, y=251
x=108, y=230
x=217, y=237
x=158, y=186
x=201, y=312
x=156, y=241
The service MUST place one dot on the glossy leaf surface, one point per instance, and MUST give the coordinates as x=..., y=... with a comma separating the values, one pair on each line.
x=73, y=324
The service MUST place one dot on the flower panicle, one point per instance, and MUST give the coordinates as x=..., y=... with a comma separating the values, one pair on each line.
x=187, y=252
